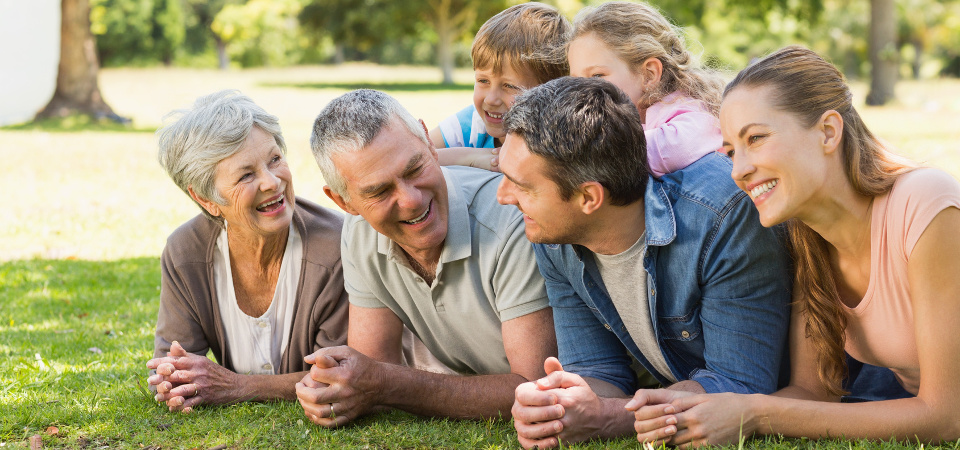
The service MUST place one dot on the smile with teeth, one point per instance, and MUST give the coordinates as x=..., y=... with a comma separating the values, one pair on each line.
x=762, y=189
x=421, y=218
x=495, y=115
x=272, y=205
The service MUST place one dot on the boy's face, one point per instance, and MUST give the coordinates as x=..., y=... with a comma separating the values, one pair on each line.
x=493, y=94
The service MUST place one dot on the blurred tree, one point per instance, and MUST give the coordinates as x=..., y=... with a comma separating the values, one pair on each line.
x=452, y=19
x=371, y=23
x=137, y=31
x=260, y=32
x=884, y=54
x=362, y=24
x=929, y=28
x=77, y=90
x=882, y=48
x=201, y=16
x=947, y=39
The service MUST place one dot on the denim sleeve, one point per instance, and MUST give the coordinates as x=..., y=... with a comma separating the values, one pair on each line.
x=745, y=306
x=586, y=347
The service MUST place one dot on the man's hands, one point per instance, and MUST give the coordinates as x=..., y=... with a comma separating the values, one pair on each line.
x=184, y=380
x=343, y=384
x=560, y=406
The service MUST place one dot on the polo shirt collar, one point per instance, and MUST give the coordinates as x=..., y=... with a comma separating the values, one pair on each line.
x=458, y=243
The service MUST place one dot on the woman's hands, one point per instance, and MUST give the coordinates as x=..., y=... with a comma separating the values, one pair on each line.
x=694, y=420
x=184, y=380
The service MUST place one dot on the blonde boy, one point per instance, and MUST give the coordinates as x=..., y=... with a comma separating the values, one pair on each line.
x=512, y=52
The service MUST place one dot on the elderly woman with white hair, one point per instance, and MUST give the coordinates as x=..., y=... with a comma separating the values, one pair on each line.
x=256, y=278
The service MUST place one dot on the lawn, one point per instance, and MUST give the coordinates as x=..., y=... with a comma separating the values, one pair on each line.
x=79, y=261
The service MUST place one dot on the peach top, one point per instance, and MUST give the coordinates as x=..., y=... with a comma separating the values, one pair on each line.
x=880, y=330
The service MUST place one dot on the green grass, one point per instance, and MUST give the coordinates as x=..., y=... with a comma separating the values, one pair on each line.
x=78, y=122
x=88, y=211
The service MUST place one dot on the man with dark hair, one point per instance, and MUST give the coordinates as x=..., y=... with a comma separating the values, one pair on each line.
x=672, y=279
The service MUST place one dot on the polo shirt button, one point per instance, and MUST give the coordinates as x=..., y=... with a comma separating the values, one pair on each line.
x=685, y=334
x=606, y=325
x=419, y=280
x=262, y=324
x=267, y=366
x=653, y=292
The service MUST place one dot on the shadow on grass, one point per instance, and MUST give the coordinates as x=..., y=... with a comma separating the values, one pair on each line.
x=75, y=123
x=386, y=87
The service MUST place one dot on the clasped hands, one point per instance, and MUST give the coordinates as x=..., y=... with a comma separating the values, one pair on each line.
x=342, y=384
x=563, y=407
x=184, y=380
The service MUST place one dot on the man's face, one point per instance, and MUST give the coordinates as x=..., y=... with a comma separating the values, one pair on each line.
x=547, y=217
x=396, y=185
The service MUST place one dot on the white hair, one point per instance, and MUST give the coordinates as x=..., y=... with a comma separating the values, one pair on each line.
x=213, y=130
x=349, y=123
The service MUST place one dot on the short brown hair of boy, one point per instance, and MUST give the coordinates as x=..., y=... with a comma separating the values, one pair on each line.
x=526, y=35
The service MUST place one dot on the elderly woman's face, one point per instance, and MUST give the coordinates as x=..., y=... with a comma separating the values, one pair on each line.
x=257, y=185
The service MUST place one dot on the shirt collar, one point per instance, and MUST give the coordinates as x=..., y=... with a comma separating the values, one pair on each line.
x=658, y=214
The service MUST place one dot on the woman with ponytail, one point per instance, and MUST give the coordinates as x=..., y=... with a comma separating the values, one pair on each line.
x=877, y=256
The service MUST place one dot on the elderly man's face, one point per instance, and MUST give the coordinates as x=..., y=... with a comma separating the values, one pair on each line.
x=396, y=185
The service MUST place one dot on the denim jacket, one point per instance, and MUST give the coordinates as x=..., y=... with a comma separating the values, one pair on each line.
x=718, y=282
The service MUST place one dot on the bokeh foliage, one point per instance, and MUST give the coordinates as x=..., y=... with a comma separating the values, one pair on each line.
x=284, y=32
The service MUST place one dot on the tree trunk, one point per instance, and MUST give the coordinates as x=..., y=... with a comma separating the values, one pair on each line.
x=445, y=53
x=883, y=51
x=445, y=36
x=918, y=49
x=339, y=57
x=77, y=89
x=222, y=56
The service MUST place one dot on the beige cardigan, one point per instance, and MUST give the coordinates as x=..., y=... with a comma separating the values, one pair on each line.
x=189, y=312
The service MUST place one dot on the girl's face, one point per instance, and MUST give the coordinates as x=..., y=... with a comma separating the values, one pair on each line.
x=590, y=57
x=781, y=164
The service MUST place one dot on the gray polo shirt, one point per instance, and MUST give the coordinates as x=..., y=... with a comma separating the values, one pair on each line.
x=487, y=275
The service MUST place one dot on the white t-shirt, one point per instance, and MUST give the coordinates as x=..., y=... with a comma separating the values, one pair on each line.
x=258, y=342
x=626, y=282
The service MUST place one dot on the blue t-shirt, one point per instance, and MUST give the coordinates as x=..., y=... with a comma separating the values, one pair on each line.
x=466, y=129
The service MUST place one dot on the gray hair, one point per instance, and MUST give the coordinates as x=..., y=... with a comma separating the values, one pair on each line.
x=349, y=123
x=586, y=129
x=213, y=130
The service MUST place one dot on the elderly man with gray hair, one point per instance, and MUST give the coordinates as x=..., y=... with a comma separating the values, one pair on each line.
x=427, y=248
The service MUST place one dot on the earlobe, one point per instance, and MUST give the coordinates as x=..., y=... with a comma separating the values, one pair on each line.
x=212, y=208
x=652, y=69
x=340, y=201
x=831, y=124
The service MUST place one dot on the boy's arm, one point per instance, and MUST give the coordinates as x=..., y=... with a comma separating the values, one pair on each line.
x=481, y=158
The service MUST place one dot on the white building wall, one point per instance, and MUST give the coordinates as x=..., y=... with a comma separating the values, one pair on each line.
x=29, y=55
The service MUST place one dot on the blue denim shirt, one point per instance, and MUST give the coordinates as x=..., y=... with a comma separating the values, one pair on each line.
x=719, y=290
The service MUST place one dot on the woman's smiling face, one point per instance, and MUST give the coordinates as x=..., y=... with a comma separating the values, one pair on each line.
x=257, y=185
x=778, y=161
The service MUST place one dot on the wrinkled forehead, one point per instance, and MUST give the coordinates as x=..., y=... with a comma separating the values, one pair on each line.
x=393, y=153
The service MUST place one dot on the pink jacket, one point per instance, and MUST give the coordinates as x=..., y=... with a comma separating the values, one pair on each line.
x=680, y=130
